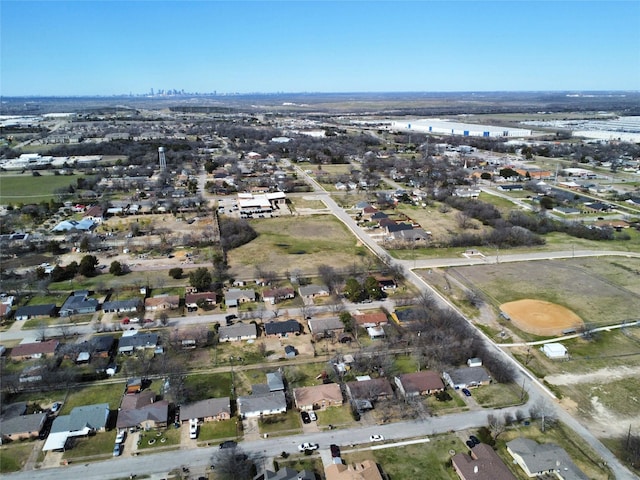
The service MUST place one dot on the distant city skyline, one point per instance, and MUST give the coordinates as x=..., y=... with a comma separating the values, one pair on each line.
x=64, y=48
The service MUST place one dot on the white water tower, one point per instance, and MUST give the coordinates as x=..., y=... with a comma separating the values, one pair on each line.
x=163, y=160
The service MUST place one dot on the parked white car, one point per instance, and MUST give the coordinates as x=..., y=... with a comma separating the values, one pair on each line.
x=121, y=436
x=376, y=438
x=307, y=446
x=193, y=428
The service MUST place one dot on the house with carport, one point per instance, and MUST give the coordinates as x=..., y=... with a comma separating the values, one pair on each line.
x=318, y=397
x=81, y=422
x=419, y=383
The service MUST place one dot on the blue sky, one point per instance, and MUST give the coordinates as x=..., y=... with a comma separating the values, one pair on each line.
x=110, y=47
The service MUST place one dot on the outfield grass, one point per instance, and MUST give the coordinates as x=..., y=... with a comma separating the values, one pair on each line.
x=25, y=188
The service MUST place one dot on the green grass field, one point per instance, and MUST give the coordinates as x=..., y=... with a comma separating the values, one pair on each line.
x=25, y=188
x=287, y=244
x=13, y=456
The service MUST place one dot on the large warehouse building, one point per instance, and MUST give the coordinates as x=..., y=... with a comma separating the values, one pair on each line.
x=446, y=127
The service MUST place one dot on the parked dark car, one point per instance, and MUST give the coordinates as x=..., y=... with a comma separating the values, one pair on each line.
x=305, y=417
x=228, y=444
x=470, y=444
x=474, y=439
x=335, y=450
x=466, y=392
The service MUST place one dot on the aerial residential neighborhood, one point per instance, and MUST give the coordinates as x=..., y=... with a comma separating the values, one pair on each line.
x=391, y=248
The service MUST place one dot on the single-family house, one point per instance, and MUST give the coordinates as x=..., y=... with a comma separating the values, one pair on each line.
x=467, y=377
x=419, y=383
x=134, y=340
x=80, y=422
x=122, y=306
x=238, y=332
x=386, y=283
x=102, y=345
x=21, y=427
x=5, y=309
x=406, y=316
x=364, y=470
x=78, y=303
x=235, y=296
x=255, y=405
x=85, y=225
x=288, y=473
x=539, y=459
x=209, y=410
x=317, y=397
x=35, y=311
x=309, y=292
x=94, y=213
x=142, y=410
x=370, y=389
x=281, y=328
x=162, y=302
x=26, y=351
x=481, y=463
x=370, y=319
x=276, y=295
x=325, y=327
x=195, y=298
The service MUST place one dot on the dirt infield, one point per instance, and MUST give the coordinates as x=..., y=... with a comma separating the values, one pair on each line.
x=541, y=318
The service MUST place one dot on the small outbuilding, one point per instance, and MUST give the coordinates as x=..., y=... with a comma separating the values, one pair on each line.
x=555, y=350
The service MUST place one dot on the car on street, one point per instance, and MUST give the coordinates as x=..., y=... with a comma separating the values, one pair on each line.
x=312, y=416
x=307, y=446
x=117, y=449
x=474, y=439
x=335, y=450
x=305, y=417
x=228, y=444
x=121, y=436
x=376, y=438
x=466, y=392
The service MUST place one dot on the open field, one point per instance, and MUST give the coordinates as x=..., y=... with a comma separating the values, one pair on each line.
x=582, y=286
x=593, y=383
x=25, y=188
x=13, y=456
x=304, y=243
